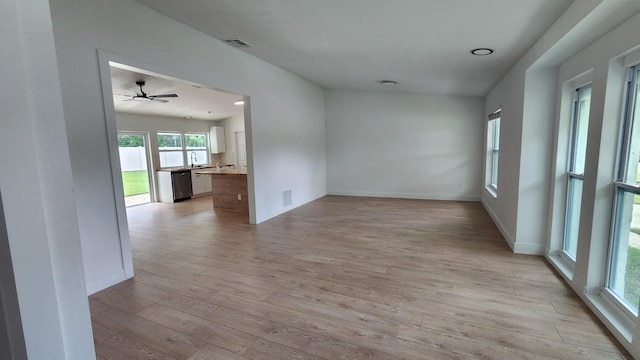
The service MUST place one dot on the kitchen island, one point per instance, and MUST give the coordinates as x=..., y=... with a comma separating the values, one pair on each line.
x=228, y=188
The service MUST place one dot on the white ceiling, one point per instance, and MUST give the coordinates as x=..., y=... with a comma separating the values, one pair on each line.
x=424, y=45
x=200, y=103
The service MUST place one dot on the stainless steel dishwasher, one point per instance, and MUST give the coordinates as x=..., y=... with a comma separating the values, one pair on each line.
x=181, y=183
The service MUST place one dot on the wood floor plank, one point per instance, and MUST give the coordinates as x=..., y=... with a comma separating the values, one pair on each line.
x=390, y=345
x=515, y=340
x=96, y=307
x=167, y=298
x=309, y=342
x=124, y=302
x=268, y=350
x=363, y=353
x=283, y=315
x=211, y=352
x=207, y=331
x=101, y=333
x=149, y=333
x=175, y=286
x=596, y=339
x=335, y=313
x=465, y=345
x=339, y=278
x=121, y=347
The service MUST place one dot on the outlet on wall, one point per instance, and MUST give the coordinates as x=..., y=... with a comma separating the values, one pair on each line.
x=239, y=196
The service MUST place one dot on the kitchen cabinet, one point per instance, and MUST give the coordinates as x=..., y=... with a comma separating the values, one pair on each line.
x=174, y=185
x=216, y=140
x=201, y=184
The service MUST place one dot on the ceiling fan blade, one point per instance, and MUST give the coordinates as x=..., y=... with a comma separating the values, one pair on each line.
x=163, y=96
x=159, y=100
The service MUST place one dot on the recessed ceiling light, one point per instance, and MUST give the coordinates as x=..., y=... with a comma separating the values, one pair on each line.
x=387, y=82
x=188, y=117
x=197, y=86
x=239, y=102
x=482, y=51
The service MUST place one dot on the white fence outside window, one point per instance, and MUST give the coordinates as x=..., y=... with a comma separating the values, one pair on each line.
x=133, y=158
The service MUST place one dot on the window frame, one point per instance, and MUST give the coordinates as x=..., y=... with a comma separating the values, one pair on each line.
x=183, y=149
x=188, y=150
x=493, y=152
x=572, y=175
x=621, y=186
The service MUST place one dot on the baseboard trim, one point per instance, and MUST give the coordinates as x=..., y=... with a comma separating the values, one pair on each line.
x=529, y=249
x=503, y=230
x=106, y=281
x=395, y=195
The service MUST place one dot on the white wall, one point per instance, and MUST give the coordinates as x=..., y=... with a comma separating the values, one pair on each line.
x=528, y=173
x=285, y=131
x=404, y=145
x=37, y=192
x=527, y=97
x=231, y=126
x=604, y=59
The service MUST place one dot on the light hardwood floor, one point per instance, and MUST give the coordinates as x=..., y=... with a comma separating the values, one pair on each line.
x=339, y=278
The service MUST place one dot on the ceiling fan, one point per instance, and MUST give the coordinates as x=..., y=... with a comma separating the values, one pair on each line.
x=144, y=96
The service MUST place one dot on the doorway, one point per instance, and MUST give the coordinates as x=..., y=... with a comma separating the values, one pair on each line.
x=173, y=105
x=241, y=149
x=135, y=167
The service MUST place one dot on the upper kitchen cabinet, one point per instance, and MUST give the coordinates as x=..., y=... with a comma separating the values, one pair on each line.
x=216, y=139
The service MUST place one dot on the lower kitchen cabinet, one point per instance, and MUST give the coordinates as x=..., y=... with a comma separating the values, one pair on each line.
x=201, y=183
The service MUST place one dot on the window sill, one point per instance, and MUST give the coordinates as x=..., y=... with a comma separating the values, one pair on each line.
x=562, y=265
x=492, y=190
x=620, y=324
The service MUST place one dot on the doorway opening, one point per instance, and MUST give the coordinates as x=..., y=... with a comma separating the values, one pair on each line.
x=145, y=104
x=135, y=167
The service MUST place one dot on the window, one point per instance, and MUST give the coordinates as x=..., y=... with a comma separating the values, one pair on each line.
x=196, y=148
x=623, y=280
x=575, y=171
x=493, y=150
x=176, y=149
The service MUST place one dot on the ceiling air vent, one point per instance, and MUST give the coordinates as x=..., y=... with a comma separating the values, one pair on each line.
x=237, y=43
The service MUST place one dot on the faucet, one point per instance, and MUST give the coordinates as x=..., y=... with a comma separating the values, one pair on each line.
x=194, y=158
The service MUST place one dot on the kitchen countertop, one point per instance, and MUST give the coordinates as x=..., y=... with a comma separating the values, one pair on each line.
x=222, y=171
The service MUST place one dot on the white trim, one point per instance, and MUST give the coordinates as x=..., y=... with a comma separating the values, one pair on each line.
x=503, y=230
x=396, y=195
x=529, y=249
x=632, y=59
x=619, y=324
x=580, y=81
x=562, y=266
x=114, y=156
x=567, y=258
x=106, y=281
x=618, y=302
x=492, y=190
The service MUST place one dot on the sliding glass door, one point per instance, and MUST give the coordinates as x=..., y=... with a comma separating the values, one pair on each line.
x=134, y=164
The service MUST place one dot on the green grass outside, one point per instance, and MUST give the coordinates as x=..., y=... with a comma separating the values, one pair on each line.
x=135, y=182
x=632, y=276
